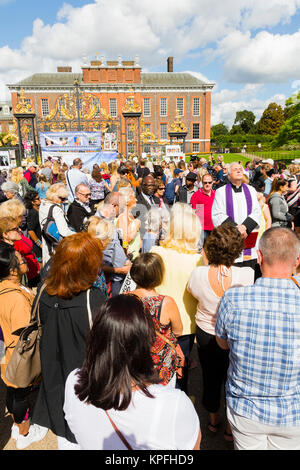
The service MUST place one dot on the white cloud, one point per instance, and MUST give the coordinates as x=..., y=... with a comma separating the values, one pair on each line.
x=264, y=58
x=296, y=84
x=155, y=29
x=226, y=103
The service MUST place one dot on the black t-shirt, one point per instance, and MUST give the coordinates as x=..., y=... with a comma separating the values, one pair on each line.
x=142, y=172
x=34, y=225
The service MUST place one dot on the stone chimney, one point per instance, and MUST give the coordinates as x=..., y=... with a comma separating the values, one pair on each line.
x=170, y=64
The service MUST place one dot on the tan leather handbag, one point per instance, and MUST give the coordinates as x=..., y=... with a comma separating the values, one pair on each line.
x=24, y=367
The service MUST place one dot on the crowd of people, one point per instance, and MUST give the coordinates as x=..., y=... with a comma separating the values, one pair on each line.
x=132, y=264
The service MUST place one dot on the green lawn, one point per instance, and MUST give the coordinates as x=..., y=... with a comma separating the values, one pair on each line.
x=275, y=155
x=279, y=154
x=228, y=157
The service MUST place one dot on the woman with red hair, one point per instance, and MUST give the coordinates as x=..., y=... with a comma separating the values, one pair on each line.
x=64, y=312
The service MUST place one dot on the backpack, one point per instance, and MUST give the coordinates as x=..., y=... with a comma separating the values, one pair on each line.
x=49, y=229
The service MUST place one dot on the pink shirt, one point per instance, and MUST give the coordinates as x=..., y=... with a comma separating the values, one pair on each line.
x=202, y=202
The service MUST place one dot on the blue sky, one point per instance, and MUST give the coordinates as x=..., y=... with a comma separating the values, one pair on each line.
x=248, y=48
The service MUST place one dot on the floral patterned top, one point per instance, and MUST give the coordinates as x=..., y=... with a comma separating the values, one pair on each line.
x=164, y=357
x=97, y=189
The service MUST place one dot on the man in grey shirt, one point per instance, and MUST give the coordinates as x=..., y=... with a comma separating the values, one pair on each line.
x=115, y=260
x=74, y=177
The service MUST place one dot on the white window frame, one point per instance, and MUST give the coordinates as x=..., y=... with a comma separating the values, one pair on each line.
x=196, y=107
x=43, y=102
x=163, y=107
x=181, y=107
x=164, y=134
x=196, y=147
x=196, y=124
x=146, y=108
x=113, y=107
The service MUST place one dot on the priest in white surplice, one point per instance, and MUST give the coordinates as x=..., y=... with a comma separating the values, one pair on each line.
x=236, y=203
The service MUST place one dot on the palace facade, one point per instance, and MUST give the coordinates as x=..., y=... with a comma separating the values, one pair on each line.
x=98, y=97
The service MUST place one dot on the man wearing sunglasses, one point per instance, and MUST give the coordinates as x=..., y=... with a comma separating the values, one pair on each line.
x=80, y=209
x=202, y=202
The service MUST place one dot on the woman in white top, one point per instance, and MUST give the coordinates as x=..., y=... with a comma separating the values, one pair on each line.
x=56, y=195
x=126, y=395
x=208, y=284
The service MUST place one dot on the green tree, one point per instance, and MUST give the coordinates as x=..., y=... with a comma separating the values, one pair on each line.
x=292, y=105
x=219, y=129
x=243, y=123
x=289, y=133
x=271, y=120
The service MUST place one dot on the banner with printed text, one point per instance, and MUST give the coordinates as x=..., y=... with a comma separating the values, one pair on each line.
x=70, y=141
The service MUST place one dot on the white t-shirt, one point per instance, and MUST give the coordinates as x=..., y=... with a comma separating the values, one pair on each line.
x=208, y=301
x=168, y=421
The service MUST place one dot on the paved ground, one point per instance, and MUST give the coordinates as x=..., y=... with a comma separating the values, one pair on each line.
x=209, y=442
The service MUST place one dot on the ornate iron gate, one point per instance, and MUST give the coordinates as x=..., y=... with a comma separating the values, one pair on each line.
x=80, y=111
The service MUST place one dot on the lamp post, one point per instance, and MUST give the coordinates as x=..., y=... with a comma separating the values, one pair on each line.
x=76, y=84
x=24, y=113
x=132, y=112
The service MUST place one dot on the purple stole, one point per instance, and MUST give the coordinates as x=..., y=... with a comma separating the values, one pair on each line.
x=230, y=209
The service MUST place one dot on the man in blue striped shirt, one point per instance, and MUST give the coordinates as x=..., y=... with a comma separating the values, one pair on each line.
x=260, y=325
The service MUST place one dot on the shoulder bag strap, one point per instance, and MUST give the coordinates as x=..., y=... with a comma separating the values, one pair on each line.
x=160, y=309
x=166, y=340
x=36, y=309
x=69, y=184
x=49, y=215
x=8, y=290
x=295, y=281
x=125, y=442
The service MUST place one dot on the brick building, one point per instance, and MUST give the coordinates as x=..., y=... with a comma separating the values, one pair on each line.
x=161, y=97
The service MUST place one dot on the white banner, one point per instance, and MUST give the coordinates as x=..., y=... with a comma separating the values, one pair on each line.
x=71, y=141
x=174, y=151
x=110, y=141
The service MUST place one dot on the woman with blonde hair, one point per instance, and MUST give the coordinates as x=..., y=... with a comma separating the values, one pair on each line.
x=129, y=226
x=55, y=172
x=114, y=175
x=56, y=195
x=181, y=253
x=17, y=177
x=42, y=186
